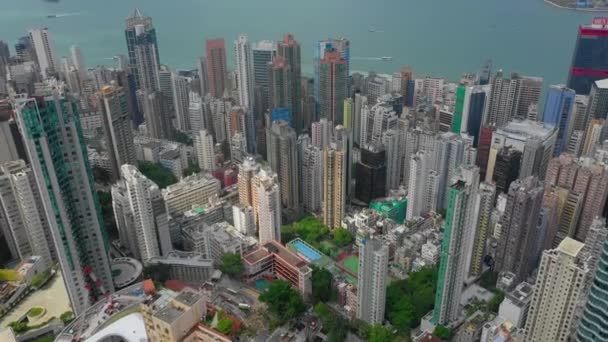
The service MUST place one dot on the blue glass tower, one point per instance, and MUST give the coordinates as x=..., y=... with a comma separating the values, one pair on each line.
x=557, y=112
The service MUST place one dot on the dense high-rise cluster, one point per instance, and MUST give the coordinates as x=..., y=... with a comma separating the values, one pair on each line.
x=367, y=177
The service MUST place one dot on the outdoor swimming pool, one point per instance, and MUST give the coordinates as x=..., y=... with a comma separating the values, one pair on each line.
x=306, y=251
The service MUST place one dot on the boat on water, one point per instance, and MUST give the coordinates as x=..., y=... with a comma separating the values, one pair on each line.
x=371, y=29
x=52, y=16
x=387, y=58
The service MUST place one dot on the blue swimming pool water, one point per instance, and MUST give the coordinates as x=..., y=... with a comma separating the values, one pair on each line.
x=309, y=253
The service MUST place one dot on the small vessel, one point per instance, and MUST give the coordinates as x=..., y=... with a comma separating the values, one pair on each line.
x=387, y=58
x=371, y=29
x=52, y=16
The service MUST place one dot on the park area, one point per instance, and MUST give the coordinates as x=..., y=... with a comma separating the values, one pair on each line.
x=313, y=233
x=41, y=305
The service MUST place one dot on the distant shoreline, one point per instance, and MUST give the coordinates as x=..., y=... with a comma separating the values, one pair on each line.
x=598, y=10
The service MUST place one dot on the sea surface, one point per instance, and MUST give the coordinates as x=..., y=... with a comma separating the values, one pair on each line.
x=435, y=37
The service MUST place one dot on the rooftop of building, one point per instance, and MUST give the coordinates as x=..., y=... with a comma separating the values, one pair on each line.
x=183, y=258
x=602, y=84
x=523, y=129
x=570, y=247
x=522, y=294
x=169, y=313
x=273, y=247
x=188, y=297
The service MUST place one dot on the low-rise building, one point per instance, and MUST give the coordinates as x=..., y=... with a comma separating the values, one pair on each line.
x=169, y=316
x=514, y=308
x=273, y=259
x=188, y=267
x=193, y=191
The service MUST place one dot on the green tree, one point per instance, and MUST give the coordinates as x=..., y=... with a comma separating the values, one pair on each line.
x=232, y=265
x=408, y=300
x=157, y=272
x=191, y=169
x=494, y=303
x=322, y=281
x=100, y=175
x=379, y=333
x=67, y=317
x=18, y=327
x=157, y=173
x=443, y=332
x=342, y=237
x=224, y=326
x=283, y=301
x=183, y=138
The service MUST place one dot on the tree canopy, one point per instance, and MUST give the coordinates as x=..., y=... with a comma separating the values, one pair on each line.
x=443, y=332
x=283, y=301
x=408, y=300
x=322, y=289
x=191, y=169
x=157, y=173
x=379, y=333
x=342, y=237
x=232, y=265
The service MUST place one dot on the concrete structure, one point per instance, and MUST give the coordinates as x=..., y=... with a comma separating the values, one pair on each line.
x=334, y=186
x=283, y=159
x=518, y=235
x=514, y=308
x=181, y=101
x=192, y=191
x=137, y=19
x=279, y=84
x=391, y=140
x=63, y=174
x=371, y=280
x=244, y=220
x=558, y=111
x=247, y=170
x=333, y=85
x=321, y=133
x=244, y=71
x=263, y=52
x=188, y=267
x=273, y=259
x=22, y=218
x=267, y=206
x=486, y=196
x=456, y=245
x=170, y=316
x=205, y=151
x=534, y=140
x=560, y=281
x=289, y=49
x=511, y=98
x=117, y=125
x=142, y=216
x=45, y=51
x=312, y=178
x=216, y=66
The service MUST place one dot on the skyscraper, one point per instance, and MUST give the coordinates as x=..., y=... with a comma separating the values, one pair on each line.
x=588, y=64
x=267, y=205
x=22, y=219
x=78, y=60
x=283, y=159
x=506, y=169
x=591, y=327
x=146, y=60
x=158, y=120
x=117, y=124
x=420, y=166
x=333, y=87
x=181, y=101
x=202, y=76
x=342, y=45
x=216, y=66
x=511, y=98
x=58, y=158
x=515, y=250
x=247, y=170
x=45, y=54
x=279, y=85
x=244, y=72
x=138, y=19
x=459, y=231
x=598, y=101
x=205, y=151
x=263, y=52
x=312, y=178
x=371, y=174
x=334, y=186
x=145, y=214
x=391, y=140
x=487, y=194
x=558, y=112
x=560, y=281
x=371, y=280
x=321, y=133
x=289, y=49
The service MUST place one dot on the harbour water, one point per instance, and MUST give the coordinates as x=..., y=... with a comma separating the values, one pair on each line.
x=435, y=37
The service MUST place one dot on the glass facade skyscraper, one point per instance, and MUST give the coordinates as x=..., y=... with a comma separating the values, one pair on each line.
x=558, y=110
x=590, y=59
x=135, y=19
